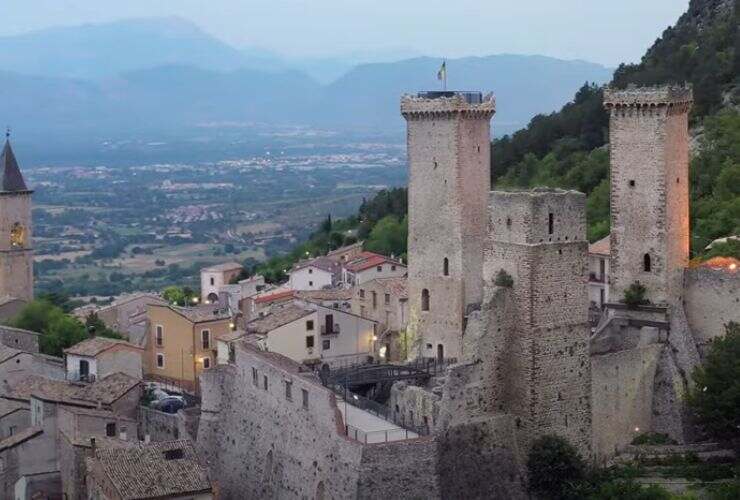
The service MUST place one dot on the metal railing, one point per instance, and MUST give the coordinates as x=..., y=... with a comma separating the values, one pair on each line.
x=334, y=331
x=384, y=436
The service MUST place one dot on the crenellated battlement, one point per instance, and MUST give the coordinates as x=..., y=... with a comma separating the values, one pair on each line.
x=671, y=96
x=432, y=103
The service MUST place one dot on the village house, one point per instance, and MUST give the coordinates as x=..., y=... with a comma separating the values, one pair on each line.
x=126, y=315
x=14, y=416
x=182, y=342
x=161, y=470
x=213, y=277
x=18, y=338
x=369, y=265
x=98, y=357
x=345, y=253
x=10, y=307
x=315, y=274
x=16, y=364
x=309, y=333
x=232, y=296
x=260, y=304
x=598, y=273
x=386, y=301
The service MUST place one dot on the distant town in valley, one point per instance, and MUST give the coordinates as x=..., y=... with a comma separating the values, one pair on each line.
x=227, y=274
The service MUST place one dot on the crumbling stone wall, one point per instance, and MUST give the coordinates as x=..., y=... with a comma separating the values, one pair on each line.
x=538, y=238
x=449, y=179
x=262, y=441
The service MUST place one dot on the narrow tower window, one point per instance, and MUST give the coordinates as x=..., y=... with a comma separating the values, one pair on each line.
x=446, y=267
x=425, y=300
x=646, y=263
x=550, y=223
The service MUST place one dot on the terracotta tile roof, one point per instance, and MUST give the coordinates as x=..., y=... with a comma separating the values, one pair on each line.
x=109, y=389
x=275, y=296
x=154, y=470
x=367, y=260
x=344, y=249
x=20, y=437
x=106, y=391
x=96, y=345
x=199, y=314
x=220, y=268
x=277, y=318
x=7, y=353
x=232, y=336
x=328, y=294
x=600, y=247
x=396, y=286
x=10, y=329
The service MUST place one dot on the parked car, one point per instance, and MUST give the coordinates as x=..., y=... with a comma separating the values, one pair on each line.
x=169, y=404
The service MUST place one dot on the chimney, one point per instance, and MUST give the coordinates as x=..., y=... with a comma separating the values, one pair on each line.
x=122, y=435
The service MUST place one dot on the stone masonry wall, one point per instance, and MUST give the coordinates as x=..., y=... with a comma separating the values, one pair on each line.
x=712, y=299
x=264, y=442
x=16, y=264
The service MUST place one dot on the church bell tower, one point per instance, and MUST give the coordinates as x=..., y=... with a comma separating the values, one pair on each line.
x=16, y=252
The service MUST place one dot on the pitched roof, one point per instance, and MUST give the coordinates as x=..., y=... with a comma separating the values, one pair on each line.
x=272, y=297
x=346, y=248
x=322, y=263
x=7, y=353
x=198, y=314
x=154, y=470
x=7, y=407
x=109, y=389
x=601, y=247
x=396, y=286
x=327, y=294
x=10, y=329
x=11, y=179
x=219, y=268
x=366, y=260
x=20, y=437
x=96, y=345
x=277, y=318
x=106, y=390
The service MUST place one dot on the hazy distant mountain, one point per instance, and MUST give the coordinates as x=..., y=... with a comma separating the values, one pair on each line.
x=99, y=50
x=523, y=85
x=165, y=76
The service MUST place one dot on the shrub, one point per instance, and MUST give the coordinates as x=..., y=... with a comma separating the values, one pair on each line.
x=504, y=279
x=634, y=295
x=715, y=395
x=653, y=438
x=555, y=468
x=627, y=489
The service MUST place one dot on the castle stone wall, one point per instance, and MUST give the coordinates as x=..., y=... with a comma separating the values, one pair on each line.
x=712, y=299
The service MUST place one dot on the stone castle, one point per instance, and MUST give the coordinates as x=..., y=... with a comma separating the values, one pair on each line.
x=497, y=286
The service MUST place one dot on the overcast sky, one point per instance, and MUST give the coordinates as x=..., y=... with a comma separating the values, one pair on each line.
x=602, y=31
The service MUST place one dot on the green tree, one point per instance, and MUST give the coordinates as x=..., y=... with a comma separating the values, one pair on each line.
x=715, y=394
x=58, y=329
x=388, y=236
x=94, y=323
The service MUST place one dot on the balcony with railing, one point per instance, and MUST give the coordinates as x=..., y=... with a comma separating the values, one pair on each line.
x=596, y=278
x=334, y=330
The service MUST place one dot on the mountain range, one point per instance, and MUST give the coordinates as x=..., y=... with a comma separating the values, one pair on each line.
x=166, y=76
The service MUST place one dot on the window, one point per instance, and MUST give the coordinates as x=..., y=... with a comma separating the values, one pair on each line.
x=289, y=390
x=326, y=344
x=446, y=267
x=206, y=363
x=329, y=324
x=309, y=325
x=160, y=360
x=310, y=283
x=310, y=271
x=264, y=381
x=110, y=429
x=205, y=337
x=11, y=430
x=304, y=395
x=375, y=300
x=508, y=222
x=84, y=368
x=550, y=223
x=632, y=183
x=362, y=293
x=387, y=298
x=255, y=377
x=425, y=300
x=160, y=336
x=309, y=342
x=379, y=268
x=646, y=264
x=213, y=281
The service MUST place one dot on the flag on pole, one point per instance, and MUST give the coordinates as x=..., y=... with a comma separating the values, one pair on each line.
x=442, y=75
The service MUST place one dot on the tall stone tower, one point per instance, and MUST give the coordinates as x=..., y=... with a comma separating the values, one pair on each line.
x=16, y=254
x=649, y=149
x=448, y=137
x=539, y=238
